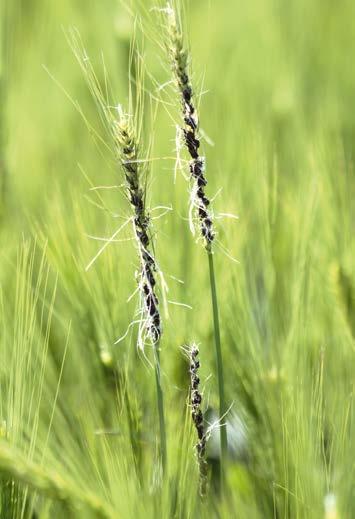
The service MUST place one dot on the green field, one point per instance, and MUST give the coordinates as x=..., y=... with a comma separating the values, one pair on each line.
x=274, y=82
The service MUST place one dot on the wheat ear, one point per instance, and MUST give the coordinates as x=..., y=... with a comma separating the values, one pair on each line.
x=197, y=417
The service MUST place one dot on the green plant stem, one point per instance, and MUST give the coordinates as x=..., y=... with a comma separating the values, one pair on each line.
x=160, y=403
x=219, y=361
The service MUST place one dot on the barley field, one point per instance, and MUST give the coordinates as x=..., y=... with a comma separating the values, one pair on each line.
x=177, y=275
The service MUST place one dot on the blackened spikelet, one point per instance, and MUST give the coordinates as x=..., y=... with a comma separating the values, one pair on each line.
x=128, y=150
x=197, y=417
x=179, y=64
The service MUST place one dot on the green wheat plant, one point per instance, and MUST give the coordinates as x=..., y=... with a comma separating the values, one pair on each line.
x=180, y=64
x=125, y=128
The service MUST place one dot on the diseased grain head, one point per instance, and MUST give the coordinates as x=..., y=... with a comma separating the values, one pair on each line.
x=197, y=416
x=127, y=145
x=179, y=62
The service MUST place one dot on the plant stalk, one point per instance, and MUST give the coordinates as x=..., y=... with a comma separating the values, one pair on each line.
x=219, y=362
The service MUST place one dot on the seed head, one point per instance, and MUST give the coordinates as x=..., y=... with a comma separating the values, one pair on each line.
x=128, y=151
x=197, y=417
x=179, y=60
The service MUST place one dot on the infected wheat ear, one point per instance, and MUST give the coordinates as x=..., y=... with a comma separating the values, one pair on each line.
x=179, y=61
x=128, y=150
x=197, y=417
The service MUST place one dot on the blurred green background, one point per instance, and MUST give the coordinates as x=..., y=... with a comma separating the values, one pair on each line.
x=278, y=105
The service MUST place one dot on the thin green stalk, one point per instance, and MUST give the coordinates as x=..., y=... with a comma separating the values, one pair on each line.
x=219, y=361
x=160, y=403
